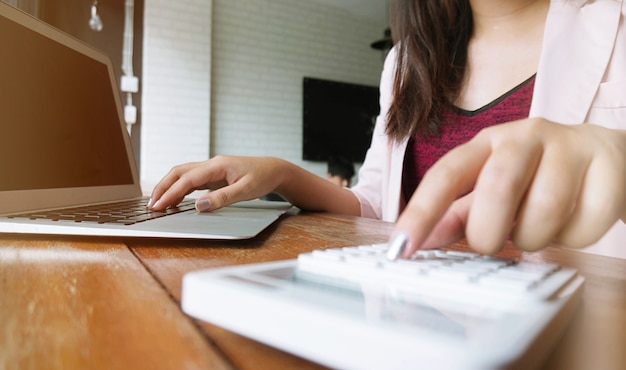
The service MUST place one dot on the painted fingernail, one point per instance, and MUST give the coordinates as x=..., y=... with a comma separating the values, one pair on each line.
x=397, y=246
x=203, y=205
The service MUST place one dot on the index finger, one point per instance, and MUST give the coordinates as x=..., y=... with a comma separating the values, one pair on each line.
x=449, y=178
x=180, y=181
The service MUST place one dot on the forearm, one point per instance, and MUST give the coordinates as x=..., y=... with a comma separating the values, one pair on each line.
x=310, y=192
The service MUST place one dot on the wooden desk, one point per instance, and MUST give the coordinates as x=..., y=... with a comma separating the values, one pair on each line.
x=92, y=303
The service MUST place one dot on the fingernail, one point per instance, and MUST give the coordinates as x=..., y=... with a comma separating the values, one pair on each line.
x=203, y=205
x=149, y=205
x=397, y=246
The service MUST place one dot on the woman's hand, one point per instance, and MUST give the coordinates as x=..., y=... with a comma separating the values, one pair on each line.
x=231, y=179
x=533, y=181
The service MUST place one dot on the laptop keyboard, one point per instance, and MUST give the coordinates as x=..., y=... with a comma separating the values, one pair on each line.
x=128, y=212
x=446, y=273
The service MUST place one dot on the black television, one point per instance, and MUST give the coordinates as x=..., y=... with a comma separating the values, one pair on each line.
x=338, y=119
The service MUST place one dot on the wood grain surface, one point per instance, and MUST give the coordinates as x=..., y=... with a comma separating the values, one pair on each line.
x=103, y=303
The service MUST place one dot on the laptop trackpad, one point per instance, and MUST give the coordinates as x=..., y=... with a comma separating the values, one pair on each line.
x=233, y=222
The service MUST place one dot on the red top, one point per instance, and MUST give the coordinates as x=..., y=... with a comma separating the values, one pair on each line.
x=459, y=126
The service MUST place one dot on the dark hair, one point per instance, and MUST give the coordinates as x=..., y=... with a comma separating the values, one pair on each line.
x=340, y=166
x=432, y=38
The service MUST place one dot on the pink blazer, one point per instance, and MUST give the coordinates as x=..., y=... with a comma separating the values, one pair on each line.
x=581, y=78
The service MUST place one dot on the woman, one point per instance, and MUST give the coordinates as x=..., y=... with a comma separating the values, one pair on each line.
x=559, y=176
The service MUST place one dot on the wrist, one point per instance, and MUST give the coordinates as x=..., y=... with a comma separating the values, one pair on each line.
x=285, y=174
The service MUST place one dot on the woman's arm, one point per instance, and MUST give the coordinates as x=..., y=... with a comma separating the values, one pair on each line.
x=233, y=179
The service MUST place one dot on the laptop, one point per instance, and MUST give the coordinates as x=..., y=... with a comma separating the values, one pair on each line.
x=64, y=144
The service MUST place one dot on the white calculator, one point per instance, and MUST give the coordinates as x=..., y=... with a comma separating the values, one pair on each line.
x=352, y=308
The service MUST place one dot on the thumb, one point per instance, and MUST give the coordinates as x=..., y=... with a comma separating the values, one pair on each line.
x=449, y=228
x=214, y=200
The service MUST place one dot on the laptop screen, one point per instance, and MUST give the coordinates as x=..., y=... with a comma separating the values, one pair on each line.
x=60, y=126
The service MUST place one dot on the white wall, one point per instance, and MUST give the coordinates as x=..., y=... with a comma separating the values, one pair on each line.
x=176, y=85
x=225, y=76
x=261, y=51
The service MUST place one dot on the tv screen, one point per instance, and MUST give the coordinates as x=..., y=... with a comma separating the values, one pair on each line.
x=338, y=119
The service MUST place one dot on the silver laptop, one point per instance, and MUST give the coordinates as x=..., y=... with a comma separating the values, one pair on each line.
x=64, y=149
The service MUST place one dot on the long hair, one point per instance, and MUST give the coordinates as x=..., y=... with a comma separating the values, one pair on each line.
x=432, y=39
